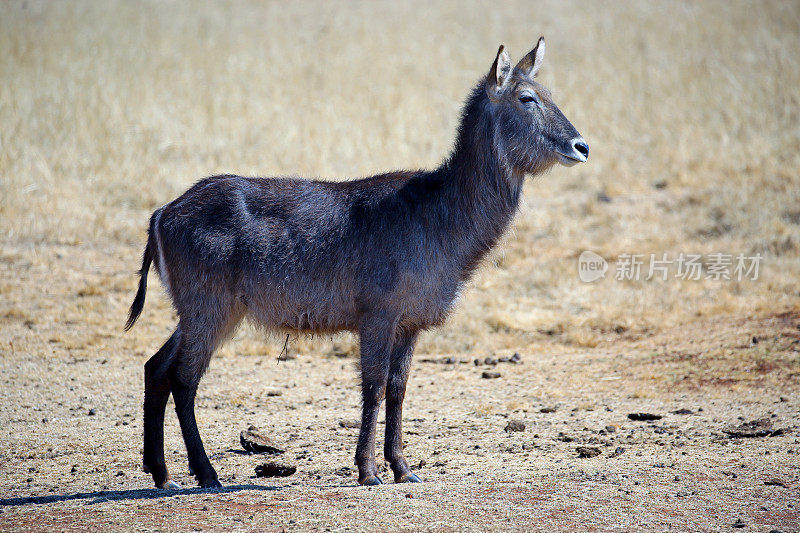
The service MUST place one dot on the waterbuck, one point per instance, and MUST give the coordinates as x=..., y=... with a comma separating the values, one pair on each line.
x=383, y=256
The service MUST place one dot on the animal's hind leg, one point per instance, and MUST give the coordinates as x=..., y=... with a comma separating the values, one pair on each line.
x=184, y=390
x=156, y=394
x=197, y=344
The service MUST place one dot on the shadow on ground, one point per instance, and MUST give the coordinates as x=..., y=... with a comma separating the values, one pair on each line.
x=136, y=494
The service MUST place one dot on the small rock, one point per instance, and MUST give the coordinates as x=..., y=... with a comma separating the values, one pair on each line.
x=585, y=452
x=683, y=412
x=514, y=425
x=642, y=417
x=619, y=451
x=350, y=424
x=490, y=361
x=775, y=483
x=274, y=392
x=548, y=409
x=738, y=524
x=92, y=412
x=344, y=471
x=490, y=375
x=439, y=361
x=603, y=197
x=515, y=358
x=661, y=184
x=755, y=428
x=254, y=441
x=478, y=362
x=610, y=429
x=275, y=470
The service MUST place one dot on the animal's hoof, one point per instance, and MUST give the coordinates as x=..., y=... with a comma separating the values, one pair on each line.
x=170, y=485
x=211, y=484
x=370, y=481
x=408, y=478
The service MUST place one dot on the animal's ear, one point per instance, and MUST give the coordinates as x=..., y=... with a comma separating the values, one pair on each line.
x=531, y=63
x=499, y=74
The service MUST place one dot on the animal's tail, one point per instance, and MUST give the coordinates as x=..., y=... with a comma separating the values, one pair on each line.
x=147, y=258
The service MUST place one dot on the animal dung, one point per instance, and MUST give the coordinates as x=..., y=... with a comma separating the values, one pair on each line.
x=275, y=470
x=254, y=441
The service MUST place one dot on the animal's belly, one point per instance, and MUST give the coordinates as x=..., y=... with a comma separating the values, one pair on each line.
x=324, y=312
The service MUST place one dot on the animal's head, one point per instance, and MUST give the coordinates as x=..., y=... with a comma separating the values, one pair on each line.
x=532, y=131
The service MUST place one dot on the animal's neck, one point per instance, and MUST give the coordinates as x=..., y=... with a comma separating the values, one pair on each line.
x=480, y=189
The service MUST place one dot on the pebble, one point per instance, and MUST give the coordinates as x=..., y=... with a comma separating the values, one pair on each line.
x=641, y=417
x=755, y=428
x=619, y=451
x=514, y=425
x=490, y=375
x=587, y=451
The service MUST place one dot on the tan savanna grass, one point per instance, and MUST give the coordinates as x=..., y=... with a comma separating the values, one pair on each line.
x=110, y=109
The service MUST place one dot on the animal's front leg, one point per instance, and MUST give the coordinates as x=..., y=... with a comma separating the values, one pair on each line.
x=377, y=333
x=395, y=393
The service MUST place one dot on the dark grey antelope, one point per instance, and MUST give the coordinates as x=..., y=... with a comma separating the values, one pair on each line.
x=383, y=256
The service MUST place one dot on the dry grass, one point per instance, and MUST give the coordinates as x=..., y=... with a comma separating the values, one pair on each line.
x=108, y=110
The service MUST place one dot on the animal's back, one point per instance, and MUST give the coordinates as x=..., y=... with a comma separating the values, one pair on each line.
x=300, y=254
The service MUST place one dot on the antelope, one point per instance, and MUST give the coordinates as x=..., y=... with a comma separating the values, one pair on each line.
x=384, y=257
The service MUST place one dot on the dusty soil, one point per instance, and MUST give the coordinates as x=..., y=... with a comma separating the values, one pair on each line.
x=71, y=440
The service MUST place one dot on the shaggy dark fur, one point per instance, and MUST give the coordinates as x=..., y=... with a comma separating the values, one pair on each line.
x=383, y=256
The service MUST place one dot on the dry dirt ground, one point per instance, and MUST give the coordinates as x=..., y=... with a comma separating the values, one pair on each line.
x=70, y=412
x=109, y=109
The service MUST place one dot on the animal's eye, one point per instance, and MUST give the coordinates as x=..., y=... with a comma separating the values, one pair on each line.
x=527, y=99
